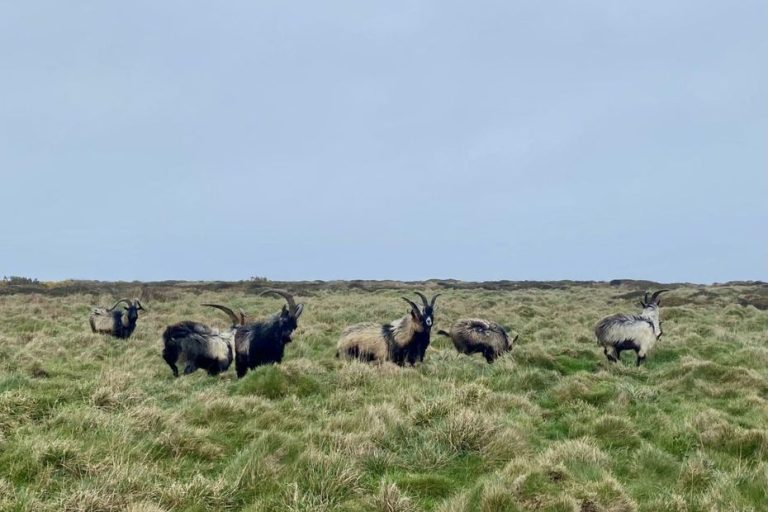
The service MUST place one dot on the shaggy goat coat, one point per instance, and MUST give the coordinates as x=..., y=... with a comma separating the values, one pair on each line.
x=401, y=341
x=118, y=323
x=264, y=342
x=102, y=320
x=620, y=332
x=475, y=335
x=626, y=332
x=398, y=342
x=197, y=346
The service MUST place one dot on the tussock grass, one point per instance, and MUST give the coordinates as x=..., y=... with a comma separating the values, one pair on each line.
x=92, y=423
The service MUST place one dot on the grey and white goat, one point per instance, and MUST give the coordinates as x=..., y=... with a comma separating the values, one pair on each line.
x=631, y=332
x=404, y=340
x=197, y=345
x=118, y=322
x=473, y=335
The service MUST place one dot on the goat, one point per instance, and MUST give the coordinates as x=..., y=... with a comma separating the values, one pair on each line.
x=263, y=342
x=473, y=335
x=631, y=332
x=200, y=346
x=403, y=340
x=118, y=323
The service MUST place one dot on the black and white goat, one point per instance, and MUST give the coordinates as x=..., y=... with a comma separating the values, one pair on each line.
x=263, y=342
x=197, y=345
x=473, y=335
x=120, y=323
x=404, y=340
x=620, y=332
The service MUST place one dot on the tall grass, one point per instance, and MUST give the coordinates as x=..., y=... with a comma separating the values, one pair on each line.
x=92, y=423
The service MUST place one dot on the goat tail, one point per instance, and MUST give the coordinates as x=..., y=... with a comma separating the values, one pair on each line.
x=443, y=333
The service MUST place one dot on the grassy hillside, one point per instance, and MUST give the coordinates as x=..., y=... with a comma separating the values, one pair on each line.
x=97, y=424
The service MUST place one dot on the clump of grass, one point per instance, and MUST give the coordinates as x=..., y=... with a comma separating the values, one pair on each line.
x=390, y=498
x=468, y=431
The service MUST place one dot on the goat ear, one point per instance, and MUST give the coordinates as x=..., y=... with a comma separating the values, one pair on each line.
x=299, y=310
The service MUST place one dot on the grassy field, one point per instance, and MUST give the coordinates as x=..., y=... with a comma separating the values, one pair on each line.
x=97, y=424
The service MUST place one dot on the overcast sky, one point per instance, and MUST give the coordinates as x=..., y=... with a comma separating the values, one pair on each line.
x=321, y=140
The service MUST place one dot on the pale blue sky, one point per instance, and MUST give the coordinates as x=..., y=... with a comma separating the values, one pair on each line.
x=321, y=140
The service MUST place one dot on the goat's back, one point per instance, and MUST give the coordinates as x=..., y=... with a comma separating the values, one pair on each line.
x=620, y=327
x=477, y=332
x=103, y=320
x=198, y=340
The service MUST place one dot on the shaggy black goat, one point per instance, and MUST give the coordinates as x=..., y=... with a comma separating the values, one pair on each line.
x=404, y=340
x=472, y=335
x=263, y=342
x=118, y=323
x=199, y=346
x=631, y=332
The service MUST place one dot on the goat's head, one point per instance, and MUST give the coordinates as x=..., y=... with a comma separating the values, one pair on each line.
x=651, y=310
x=131, y=309
x=654, y=302
x=289, y=315
x=423, y=318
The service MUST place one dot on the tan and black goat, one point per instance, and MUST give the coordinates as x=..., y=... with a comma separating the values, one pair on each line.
x=401, y=341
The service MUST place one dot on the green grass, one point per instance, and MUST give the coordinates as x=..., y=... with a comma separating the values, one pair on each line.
x=97, y=424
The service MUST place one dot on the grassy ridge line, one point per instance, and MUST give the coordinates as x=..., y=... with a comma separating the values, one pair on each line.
x=88, y=423
x=73, y=286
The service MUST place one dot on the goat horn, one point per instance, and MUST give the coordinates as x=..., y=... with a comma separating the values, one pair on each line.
x=432, y=304
x=287, y=296
x=242, y=317
x=137, y=303
x=225, y=309
x=655, y=296
x=423, y=299
x=118, y=302
x=413, y=305
x=645, y=300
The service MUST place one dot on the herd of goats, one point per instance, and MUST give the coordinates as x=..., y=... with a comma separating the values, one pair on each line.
x=251, y=344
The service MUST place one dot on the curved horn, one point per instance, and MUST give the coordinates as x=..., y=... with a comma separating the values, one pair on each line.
x=242, y=316
x=423, y=299
x=225, y=309
x=645, y=299
x=413, y=305
x=655, y=296
x=118, y=302
x=287, y=296
x=432, y=304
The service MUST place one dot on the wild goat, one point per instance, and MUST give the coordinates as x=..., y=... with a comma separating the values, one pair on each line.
x=473, y=335
x=403, y=340
x=118, y=323
x=199, y=346
x=631, y=332
x=264, y=342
